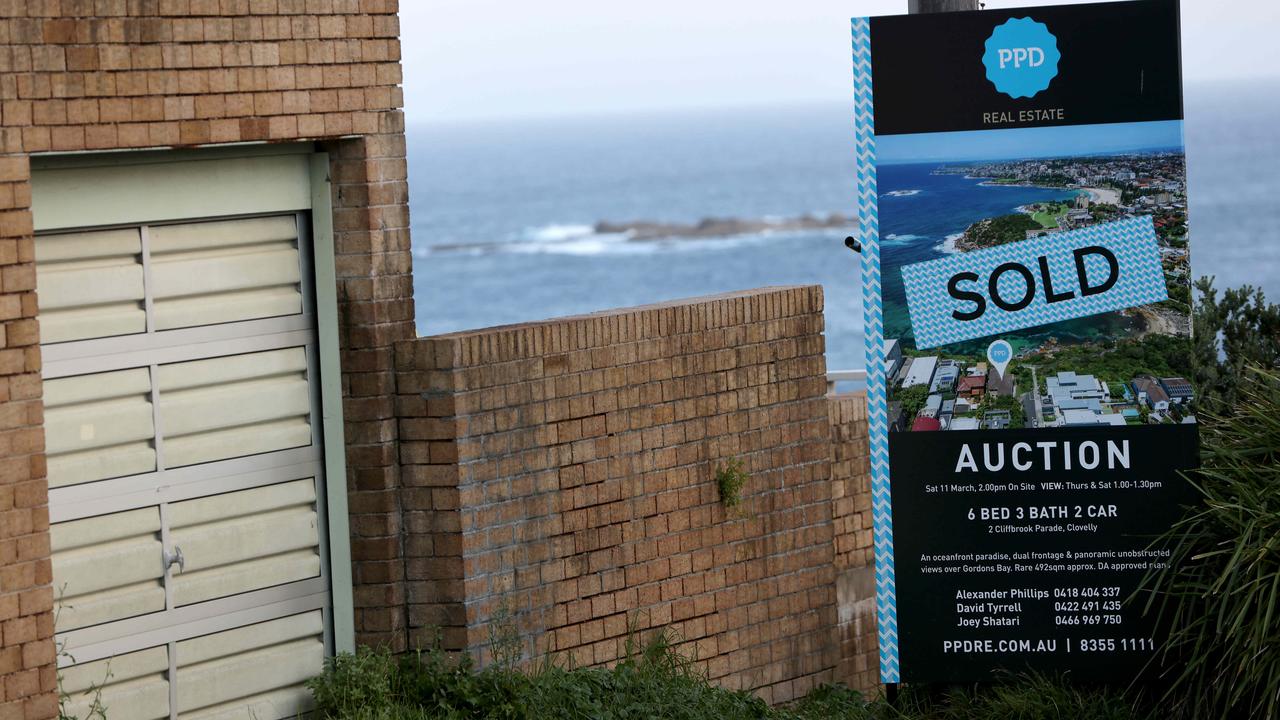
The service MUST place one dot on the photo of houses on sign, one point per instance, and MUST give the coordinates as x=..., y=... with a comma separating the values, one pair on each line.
x=1123, y=367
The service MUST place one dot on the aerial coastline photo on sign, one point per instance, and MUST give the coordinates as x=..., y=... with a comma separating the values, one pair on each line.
x=1123, y=366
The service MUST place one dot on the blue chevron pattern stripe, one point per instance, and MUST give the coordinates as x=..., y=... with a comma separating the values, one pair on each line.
x=1140, y=281
x=873, y=329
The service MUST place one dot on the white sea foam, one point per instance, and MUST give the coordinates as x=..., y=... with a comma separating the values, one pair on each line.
x=581, y=245
x=948, y=246
x=623, y=244
x=895, y=239
x=620, y=244
x=559, y=233
x=582, y=240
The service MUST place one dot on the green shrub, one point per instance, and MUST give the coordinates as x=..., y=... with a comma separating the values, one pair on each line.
x=655, y=680
x=1221, y=593
x=365, y=681
x=837, y=701
x=1232, y=333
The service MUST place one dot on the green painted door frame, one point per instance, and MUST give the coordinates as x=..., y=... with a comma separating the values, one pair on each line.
x=118, y=188
x=335, y=455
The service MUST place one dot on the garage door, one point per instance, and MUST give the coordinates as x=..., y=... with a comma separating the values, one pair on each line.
x=190, y=385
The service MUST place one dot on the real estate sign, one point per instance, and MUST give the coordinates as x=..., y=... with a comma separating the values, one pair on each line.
x=1023, y=207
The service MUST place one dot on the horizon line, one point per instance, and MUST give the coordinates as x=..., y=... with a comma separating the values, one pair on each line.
x=421, y=118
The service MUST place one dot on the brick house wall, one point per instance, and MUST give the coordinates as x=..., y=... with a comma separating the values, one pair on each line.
x=375, y=311
x=26, y=594
x=84, y=75
x=562, y=473
x=110, y=74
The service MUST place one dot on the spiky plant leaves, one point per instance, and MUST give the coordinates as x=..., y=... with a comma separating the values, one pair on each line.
x=1221, y=592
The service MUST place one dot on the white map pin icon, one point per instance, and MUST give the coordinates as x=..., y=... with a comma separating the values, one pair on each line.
x=999, y=354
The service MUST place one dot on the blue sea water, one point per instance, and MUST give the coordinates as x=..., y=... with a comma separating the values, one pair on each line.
x=502, y=213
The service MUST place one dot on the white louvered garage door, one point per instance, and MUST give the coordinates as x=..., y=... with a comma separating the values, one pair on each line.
x=183, y=421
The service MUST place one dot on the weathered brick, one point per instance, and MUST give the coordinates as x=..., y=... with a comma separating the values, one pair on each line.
x=551, y=488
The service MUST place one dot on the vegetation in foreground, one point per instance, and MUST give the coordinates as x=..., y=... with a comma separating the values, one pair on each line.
x=1223, y=600
x=657, y=681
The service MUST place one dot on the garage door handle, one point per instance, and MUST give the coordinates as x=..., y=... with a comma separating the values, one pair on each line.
x=175, y=558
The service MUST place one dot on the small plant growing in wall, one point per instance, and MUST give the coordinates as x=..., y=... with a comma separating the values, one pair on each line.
x=731, y=477
x=96, y=710
x=504, y=638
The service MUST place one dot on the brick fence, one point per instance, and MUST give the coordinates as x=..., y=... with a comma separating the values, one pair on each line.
x=562, y=473
x=854, y=547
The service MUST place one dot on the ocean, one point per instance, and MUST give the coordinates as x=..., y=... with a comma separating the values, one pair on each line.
x=504, y=213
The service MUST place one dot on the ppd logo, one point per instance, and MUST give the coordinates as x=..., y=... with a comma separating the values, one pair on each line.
x=1017, y=57
x=1021, y=57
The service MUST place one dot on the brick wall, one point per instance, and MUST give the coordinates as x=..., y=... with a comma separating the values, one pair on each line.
x=375, y=308
x=563, y=473
x=854, y=546
x=26, y=595
x=109, y=74
x=83, y=75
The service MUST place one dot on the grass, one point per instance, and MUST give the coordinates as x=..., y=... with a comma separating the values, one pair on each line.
x=655, y=680
x=1023, y=697
x=1048, y=219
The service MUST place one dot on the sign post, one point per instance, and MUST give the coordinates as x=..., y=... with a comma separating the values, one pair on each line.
x=1022, y=199
x=934, y=6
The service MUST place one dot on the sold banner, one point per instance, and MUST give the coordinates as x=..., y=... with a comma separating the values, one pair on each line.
x=1022, y=201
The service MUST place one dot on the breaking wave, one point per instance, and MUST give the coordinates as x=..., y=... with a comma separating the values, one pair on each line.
x=894, y=239
x=560, y=233
x=949, y=246
x=646, y=237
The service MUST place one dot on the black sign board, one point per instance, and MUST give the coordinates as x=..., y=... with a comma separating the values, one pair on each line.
x=1026, y=274
x=1030, y=555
